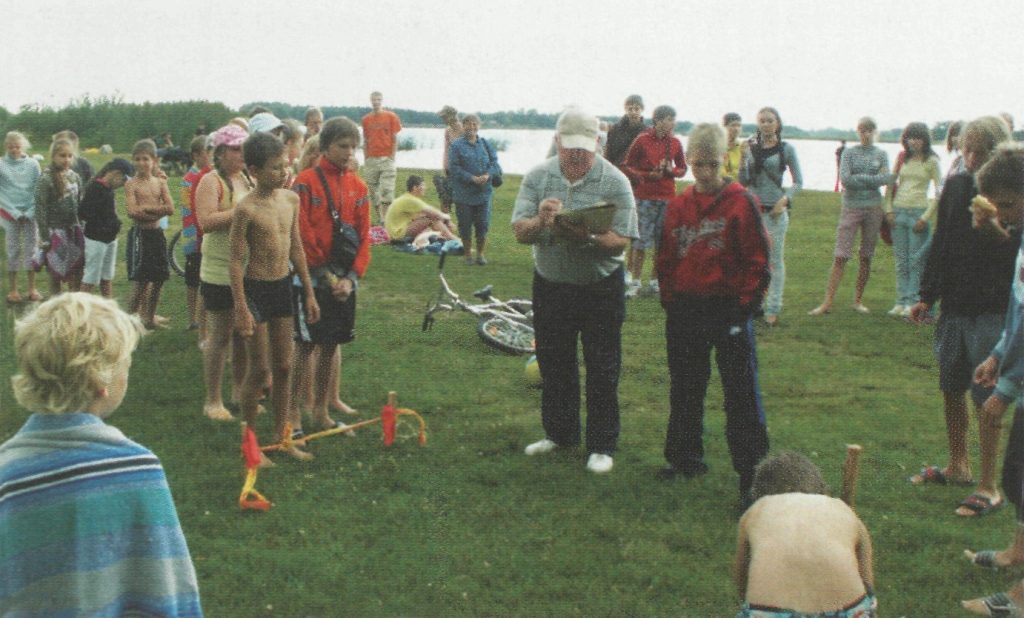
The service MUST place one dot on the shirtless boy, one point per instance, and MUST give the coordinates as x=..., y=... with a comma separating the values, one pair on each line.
x=268, y=219
x=147, y=200
x=800, y=552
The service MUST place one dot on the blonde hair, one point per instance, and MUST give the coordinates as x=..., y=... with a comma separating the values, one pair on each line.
x=68, y=350
x=19, y=136
x=60, y=182
x=310, y=153
x=706, y=137
x=992, y=130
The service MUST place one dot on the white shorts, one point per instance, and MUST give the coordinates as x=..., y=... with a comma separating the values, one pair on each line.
x=100, y=261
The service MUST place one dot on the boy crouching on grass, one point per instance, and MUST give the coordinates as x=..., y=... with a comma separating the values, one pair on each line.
x=87, y=523
x=147, y=200
x=264, y=237
x=98, y=211
x=800, y=552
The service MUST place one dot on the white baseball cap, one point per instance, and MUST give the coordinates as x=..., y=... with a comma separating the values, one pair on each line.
x=577, y=129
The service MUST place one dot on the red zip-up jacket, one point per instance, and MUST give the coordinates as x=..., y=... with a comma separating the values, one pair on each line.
x=316, y=225
x=714, y=244
x=644, y=156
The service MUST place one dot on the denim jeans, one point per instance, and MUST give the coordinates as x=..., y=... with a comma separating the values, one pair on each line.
x=563, y=313
x=693, y=326
x=776, y=227
x=908, y=249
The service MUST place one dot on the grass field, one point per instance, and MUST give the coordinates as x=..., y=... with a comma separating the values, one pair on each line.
x=468, y=526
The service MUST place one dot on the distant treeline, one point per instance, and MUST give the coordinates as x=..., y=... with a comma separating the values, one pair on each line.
x=109, y=120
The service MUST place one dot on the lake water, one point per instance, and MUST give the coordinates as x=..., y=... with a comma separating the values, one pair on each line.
x=525, y=148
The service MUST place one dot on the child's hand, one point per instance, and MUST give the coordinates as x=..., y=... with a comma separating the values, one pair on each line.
x=244, y=323
x=342, y=288
x=987, y=372
x=312, y=309
x=918, y=312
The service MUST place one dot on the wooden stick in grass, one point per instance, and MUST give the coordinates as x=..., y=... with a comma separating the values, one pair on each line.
x=851, y=468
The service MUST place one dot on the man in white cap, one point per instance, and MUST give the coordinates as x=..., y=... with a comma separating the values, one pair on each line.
x=578, y=288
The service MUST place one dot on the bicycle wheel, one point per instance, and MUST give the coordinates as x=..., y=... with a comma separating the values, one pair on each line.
x=505, y=335
x=176, y=254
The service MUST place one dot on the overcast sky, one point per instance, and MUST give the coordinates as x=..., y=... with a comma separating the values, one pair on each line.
x=821, y=63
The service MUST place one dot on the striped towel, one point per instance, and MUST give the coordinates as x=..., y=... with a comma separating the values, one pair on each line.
x=88, y=525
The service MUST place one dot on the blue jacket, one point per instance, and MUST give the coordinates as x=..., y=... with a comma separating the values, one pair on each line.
x=466, y=160
x=1010, y=349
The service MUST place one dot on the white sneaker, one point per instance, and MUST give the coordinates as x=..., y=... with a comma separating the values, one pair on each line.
x=897, y=310
x=599, y=463
x=540, y=447
x=860, y=308
x=628, y=278
x=906, y=312
x=653, y=288
x=633, y=289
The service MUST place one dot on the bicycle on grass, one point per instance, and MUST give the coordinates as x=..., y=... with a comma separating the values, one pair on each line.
x=503, y=325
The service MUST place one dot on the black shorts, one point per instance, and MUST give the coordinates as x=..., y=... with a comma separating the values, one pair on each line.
x=147, y=255
x=192, y=262
x=269, y=300
x=337, y=319
x=216, y=297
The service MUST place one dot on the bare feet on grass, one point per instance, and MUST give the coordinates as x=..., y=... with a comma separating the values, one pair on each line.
x=217, y=412
x=298, y=454
x=343, y=407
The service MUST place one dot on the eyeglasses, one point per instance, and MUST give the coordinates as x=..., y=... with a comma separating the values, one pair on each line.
x=707, y=164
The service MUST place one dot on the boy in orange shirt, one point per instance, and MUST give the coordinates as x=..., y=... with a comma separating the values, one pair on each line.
x=380, y=129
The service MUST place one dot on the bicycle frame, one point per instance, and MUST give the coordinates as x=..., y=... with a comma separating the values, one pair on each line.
x=492, y=307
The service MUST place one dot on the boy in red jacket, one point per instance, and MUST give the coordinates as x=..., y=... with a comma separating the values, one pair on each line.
x=712, y=266
x=654, y=161
x=329, y=183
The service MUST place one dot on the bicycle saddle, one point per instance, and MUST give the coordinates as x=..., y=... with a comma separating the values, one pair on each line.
x=484, y=293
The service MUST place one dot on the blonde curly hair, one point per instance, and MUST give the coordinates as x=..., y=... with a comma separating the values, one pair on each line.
x=68, y=351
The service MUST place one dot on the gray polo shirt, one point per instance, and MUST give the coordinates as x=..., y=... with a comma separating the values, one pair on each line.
x=565, y=261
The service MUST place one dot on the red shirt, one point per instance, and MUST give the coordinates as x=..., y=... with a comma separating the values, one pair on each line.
x=714, y=244
x=316, y=226
x=379, y=131
x=644, y=156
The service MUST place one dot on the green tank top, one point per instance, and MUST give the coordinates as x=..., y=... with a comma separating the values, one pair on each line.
x=216, y=250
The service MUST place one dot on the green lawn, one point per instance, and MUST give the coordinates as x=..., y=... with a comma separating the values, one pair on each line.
x=469, y=526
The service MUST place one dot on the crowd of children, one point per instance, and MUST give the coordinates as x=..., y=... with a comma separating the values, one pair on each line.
x=276, y=228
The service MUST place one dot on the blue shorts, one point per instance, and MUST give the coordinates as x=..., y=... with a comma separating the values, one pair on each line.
x=650, y=216
x=864, y=607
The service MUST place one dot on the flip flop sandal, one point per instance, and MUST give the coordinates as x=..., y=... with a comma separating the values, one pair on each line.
x=999, y=604
x=986, y=559
x=980, y=505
